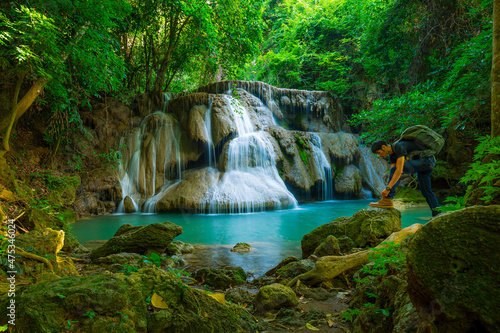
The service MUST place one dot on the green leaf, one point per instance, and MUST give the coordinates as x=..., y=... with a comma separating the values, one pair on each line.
x=311, y=327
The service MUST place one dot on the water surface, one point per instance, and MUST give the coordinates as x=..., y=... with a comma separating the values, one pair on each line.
x=274, y=235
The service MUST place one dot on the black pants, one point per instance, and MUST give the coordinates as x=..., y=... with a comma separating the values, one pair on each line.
x=423, y=167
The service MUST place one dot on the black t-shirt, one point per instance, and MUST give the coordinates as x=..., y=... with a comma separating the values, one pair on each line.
x=403, y=148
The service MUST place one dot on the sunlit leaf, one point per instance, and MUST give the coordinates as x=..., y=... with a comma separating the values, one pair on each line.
x=219, y=297
x=157, y=302
x=311, y=327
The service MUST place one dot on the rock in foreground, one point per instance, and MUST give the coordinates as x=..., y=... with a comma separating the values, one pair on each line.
x=453, y=271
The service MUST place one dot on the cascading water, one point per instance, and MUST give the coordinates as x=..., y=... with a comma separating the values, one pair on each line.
x=323, y=167
x=251, y=182
x=370, y=176
x=152, y=154
x=232, y=149
x=212, y=159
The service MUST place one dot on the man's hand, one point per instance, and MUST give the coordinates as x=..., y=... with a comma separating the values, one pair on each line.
x=385, y=193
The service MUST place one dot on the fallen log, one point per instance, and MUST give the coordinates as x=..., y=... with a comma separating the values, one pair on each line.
x=329, y=267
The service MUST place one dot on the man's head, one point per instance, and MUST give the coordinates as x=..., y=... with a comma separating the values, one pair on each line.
x=381, y=148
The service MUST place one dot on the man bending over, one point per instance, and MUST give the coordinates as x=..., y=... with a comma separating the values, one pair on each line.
x=398, y=153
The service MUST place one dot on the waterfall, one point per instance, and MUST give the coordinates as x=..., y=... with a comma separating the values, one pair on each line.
x=251, y=182
x=151, y=151
x=229, y=136
x=212, y=160
x=324, y=168
x=370, y=176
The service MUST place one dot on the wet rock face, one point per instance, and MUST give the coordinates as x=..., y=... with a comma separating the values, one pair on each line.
x=367, y=227
x=349, y=181
x=154, y=237
x=453, y=271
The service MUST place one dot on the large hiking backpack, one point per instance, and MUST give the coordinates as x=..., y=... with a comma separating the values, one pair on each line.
x=425, y=137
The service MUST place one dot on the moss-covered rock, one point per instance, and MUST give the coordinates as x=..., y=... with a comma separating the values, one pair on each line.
x=128, y=205
x=453, y=270
x=239, y=295
x=283, y=263
x=367, y=227
x=318, y=294
x=221, y=278
x=294, y=269
x=119, y=303
x=242, y=248
x=329, y=247
x=41, y=241
x=177, y=247
x=274, y=297
x=345, y=244
x=154, y=237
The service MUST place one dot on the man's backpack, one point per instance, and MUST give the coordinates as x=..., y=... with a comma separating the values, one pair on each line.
x=425, y=137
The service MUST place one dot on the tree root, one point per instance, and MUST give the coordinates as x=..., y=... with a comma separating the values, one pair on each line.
x=329, y=267
x=32, y=256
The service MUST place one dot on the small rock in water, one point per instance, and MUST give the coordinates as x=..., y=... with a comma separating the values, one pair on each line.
x=128, y=205
x=242, y=248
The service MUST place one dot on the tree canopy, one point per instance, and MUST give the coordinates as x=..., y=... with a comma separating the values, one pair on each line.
x=414, y=62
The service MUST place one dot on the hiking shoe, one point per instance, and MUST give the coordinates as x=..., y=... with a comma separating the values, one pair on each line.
x=383, y=203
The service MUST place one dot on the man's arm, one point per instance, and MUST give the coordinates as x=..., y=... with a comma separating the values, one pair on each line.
x=397, y=174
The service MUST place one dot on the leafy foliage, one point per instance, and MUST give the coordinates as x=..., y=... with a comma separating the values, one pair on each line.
x=167, y=39
x=458, y=203
x=383, y=262
x=483, y=177
x=70, y=47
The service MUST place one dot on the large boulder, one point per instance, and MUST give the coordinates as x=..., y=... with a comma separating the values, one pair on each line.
x=453, y=271
x=188, y=195
x=143, y=239
x=367, y=227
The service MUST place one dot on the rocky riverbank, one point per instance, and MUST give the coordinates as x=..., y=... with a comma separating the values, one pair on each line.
x=350, y=277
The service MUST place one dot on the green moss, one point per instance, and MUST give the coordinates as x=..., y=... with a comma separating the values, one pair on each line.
x=120, y=303
x=221, y=278
x=304, y=157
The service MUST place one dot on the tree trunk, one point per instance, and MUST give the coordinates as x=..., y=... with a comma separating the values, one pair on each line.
x=25, y=102
x=330, y=267
x=495, y=72
x=13, y=113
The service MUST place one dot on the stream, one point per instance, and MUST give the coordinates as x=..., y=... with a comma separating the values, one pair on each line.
x=274, y=235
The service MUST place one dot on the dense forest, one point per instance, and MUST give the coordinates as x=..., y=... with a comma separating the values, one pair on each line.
x=76, y=75
x=391, y=63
